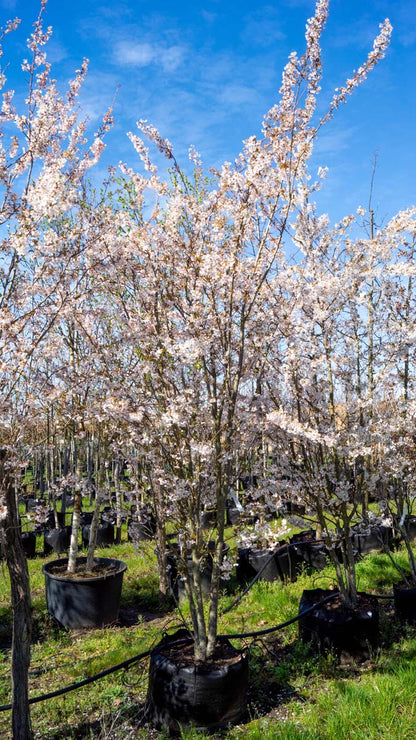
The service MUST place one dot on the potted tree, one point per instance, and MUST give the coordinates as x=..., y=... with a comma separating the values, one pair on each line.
x=190, y=287
x=317, y=423
x=84, y=591
x=44, y=165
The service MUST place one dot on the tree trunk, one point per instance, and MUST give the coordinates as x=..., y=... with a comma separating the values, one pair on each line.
x=159, y=509
x=21, y=606
x=116, y=477
x=76, y=523
x=92, y=544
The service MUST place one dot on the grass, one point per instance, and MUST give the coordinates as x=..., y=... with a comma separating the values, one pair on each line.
x=293, y=695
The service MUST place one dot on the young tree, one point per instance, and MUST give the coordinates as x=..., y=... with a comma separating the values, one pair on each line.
x=43, y=162
x=192, y=286
x=341, y=386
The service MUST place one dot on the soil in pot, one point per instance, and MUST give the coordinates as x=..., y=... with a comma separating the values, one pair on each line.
x=206, y=696
x=84, y=599
x=405, y=602
x=335, y=628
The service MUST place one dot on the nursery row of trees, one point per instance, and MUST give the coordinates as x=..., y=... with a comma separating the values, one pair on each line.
x=202, y=319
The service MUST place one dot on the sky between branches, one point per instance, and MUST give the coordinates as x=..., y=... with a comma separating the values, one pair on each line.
x=205, y=72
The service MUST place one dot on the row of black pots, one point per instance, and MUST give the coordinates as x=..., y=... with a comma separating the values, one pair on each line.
x=304, y=550
x=58, y=540
x=29, y=544
x=284, y=562
x=182, y=693
x=233, y=515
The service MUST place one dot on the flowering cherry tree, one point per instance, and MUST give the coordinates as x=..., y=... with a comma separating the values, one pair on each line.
x=339, y=394
x=43, y=163
x=195, y=285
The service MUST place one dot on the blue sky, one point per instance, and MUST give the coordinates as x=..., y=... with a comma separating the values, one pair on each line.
x=205, y=72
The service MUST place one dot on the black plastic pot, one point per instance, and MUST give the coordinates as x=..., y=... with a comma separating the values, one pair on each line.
x=410, y=524
x=405, y=603
x=283, y=565
x=61, y=518
x=374, y=539
x=77, y=601
x=288, y=563
x=291, y=507
x=309, y=551
x=141, y=525
x=232, y=514
x=105, y=534
x=335, y=628
x=209, y=518
x=29, y=544
x=208, y=696
x=31, y=504
x=86, y=517
x=56, y=540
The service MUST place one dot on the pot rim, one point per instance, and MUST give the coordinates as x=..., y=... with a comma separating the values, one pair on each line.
x=79, y=578
x=402, y=587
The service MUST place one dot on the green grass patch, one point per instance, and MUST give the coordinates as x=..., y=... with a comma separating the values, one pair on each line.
x=293, y=695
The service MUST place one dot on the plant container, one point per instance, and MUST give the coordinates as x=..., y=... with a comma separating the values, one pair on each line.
x=338, y=629
x=376, y=538
x=176, y=579
x=281, y=564
x=207, y=696
x=29, y=544
x=405, y=602
x=84, y=599
x=141, y=525
x=308, y=550
x=56, y=540
x=105, y=534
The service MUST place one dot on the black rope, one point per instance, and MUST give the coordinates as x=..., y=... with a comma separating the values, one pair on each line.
x=269, y=630
x=182, y=641
x=85, y=681
x=147, y=653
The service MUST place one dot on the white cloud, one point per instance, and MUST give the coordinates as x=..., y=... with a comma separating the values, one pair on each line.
x=8, y=4
x=238, y=95
x=133, y=54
